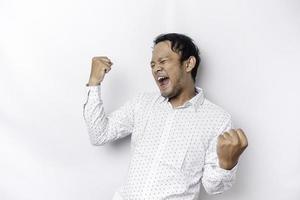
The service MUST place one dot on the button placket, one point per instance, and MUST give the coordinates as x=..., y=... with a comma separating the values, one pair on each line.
x=158, y=155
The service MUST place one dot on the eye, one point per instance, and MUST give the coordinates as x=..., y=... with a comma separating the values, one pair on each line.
x=163, y=61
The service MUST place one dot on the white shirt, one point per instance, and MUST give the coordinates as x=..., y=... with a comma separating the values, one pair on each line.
x=172, y=150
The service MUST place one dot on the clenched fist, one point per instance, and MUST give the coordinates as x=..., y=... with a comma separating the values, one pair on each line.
x=100, y=66
x=230, y=146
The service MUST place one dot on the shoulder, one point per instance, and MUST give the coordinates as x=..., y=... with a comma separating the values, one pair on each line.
x=215, y=113
x=218, y=118
x=214, y=109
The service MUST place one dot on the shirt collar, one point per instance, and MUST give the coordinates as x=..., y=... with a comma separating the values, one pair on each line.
x=196, y=101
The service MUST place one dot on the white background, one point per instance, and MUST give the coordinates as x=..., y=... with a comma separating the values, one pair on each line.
x=250, y=52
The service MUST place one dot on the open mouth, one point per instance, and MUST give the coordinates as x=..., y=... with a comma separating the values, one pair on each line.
x=163, y=81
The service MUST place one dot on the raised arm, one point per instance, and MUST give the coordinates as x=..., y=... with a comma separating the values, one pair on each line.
x=102, y=127
x=221, y=159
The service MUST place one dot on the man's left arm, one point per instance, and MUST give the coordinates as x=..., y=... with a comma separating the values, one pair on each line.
x=221, y=160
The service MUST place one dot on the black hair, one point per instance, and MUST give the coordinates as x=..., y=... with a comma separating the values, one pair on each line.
x=184, y=46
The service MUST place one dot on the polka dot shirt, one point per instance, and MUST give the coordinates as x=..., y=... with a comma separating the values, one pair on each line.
x=173, y=150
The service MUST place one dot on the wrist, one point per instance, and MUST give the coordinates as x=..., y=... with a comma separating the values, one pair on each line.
x=93, y=82
x=227, y=165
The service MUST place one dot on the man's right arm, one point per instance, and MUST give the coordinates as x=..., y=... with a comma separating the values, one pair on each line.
x=102, y=127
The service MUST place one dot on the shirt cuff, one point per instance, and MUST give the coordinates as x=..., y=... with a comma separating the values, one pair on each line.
x=227, y=174
x=93, y=91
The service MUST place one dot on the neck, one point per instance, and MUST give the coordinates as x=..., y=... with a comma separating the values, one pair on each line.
x=186, y=94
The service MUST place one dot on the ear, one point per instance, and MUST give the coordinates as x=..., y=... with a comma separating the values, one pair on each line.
x=190, y=63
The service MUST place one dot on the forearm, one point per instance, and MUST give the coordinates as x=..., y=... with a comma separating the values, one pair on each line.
x=102, y=127
x=216, y=180
x=218, y=175
x=95, y=117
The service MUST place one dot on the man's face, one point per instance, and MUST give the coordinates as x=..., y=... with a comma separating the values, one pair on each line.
x=167, y=70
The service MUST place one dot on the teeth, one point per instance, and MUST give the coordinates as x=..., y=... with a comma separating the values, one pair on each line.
x=161, y=77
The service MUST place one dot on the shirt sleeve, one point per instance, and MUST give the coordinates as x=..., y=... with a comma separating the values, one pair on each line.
x=104, y=128
x=216, y=180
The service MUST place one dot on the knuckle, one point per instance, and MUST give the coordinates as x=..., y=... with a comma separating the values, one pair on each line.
x=240, y=130
x=236, y=143
x=232, y=130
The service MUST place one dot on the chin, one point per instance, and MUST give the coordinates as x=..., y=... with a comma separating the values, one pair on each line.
x=167, y=94
x=164, y=94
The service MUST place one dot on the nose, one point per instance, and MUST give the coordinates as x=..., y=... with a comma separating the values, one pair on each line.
x=157, y=68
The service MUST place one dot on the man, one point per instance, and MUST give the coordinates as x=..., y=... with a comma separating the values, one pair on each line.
x=179, y=138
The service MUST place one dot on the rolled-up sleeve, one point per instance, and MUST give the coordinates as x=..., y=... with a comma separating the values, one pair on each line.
x=216, y=180
x=103, y=128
